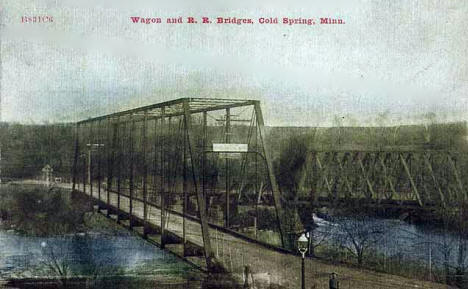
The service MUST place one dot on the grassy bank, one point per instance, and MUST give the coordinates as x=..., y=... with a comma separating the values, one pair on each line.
x=399, y=264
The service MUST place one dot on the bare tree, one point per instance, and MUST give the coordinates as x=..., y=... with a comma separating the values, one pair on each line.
x=73, y=256
x=320, y=235
x=56, y=261
x=359, y=234
x=462, y=257
x=456, y=225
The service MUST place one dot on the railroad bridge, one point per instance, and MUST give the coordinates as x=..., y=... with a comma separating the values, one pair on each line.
x=191, y=174
x=418, y=178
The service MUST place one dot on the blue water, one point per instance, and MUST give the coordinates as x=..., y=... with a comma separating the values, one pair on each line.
x=397, y=239
x=85, y=254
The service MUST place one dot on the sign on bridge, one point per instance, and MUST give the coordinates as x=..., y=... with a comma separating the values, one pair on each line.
x=230, y=150
x=230, y=147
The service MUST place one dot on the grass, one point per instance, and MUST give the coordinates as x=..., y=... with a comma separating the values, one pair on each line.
x=396, y=265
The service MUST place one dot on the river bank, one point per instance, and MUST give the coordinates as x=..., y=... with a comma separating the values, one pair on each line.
x=42, y=241
x=278, y=270
x=393, y=246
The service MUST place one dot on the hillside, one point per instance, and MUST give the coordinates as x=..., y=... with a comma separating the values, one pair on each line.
x=26, y=149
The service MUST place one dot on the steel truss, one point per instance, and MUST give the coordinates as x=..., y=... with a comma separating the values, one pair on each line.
x=427, y=178
x=161, y=155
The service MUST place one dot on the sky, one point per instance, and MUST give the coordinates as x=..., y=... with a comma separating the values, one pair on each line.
x=392, y=62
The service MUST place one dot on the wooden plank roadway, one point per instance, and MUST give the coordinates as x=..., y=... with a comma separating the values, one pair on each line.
x=268, y=267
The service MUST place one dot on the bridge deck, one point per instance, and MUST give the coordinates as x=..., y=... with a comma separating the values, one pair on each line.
x=267, y=266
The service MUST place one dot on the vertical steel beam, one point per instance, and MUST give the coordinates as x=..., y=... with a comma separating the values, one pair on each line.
x=85, y=166
x=145, y=173
x=100, y=158
x=185, y=187
x=205, y=193
x=121, y=135
x=163, y=175
x=90, y=159
x=228, y=140
x=75, y=157
x=209, y=256
x=271, y=174
x=155, y=157
x=111, y=142
x=258, y=189
x=170, y=147
x=132, y=167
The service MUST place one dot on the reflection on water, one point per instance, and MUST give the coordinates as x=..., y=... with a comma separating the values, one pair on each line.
x=96, y=260
x=96, y=254
x=125, y=283
x=57, y=248
x=413, y=242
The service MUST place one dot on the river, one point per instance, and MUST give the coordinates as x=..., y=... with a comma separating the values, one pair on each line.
x=394, y=238
x=50, y=239
x=94, y=254
x=121, y=253
x=122, y=258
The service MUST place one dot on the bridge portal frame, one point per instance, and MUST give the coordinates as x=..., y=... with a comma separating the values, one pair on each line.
x=162, y=113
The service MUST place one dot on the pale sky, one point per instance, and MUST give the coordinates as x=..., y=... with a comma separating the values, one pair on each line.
x=392, y=60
